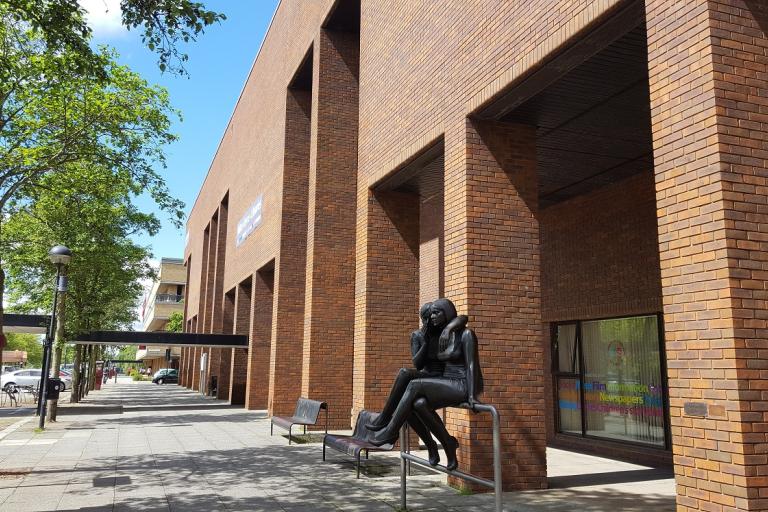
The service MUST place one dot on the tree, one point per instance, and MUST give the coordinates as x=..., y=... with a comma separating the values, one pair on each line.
x=91, y=211
x=175, y=322
x=29, y=343
x=62, y=129
x=166, y=24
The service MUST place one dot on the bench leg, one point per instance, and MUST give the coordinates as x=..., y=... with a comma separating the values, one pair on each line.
x=289, y=434
x=358, y=464
x=271, y=429
x=323, y=450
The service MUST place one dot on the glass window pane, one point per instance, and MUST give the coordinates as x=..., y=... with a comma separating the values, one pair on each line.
x=622, y=379
x=567, y=358
x=569, y=405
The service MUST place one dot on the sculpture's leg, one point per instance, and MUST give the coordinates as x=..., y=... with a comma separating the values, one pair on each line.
x=404, y=376
x=389, y=433
x=430, y=418
x=439, y=392
x=423, y=432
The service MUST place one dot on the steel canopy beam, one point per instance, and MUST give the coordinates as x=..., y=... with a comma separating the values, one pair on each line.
x=176, y=339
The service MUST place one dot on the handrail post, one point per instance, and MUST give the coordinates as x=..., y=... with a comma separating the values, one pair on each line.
x=403, y=476
x=407, y=458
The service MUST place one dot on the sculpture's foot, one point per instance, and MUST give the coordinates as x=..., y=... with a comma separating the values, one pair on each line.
x=434, y=454
x=450, y=453
x=375, y=426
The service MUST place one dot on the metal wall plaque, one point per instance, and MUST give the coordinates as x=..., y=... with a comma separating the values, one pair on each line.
x=695, y=409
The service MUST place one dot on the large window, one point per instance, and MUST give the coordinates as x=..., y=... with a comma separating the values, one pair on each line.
x=609, y=379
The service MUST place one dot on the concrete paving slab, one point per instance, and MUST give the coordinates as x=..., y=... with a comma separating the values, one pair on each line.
x=208, y=456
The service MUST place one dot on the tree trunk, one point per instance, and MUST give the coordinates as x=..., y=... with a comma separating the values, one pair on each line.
x=91, y=370
x=59, y=344
x=74, y=393
x=2, y=311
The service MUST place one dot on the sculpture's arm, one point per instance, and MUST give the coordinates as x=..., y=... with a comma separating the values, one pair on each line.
x=447, y=350
x=418, y=350
x=469, y=341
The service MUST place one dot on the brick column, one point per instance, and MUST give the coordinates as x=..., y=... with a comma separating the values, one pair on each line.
x=239, y=370
x=239, y=361
x=290, y=266
x=228, y=326
x=492, y=274
x=257, y=383
x=214, y=365
x=220, y=255
x=329, y=308
x=709, y=103
x=386, y=293
x=182, y=363
x=209, y=274
x=196, y=368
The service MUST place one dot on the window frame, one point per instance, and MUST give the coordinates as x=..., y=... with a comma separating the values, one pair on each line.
x=558, y=374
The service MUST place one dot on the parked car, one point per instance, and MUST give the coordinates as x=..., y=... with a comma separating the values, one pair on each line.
x=166, y=376
x=29, y=377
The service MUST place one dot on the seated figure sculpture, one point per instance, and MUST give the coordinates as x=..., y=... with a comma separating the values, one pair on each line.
x=461, y=382
x=425, y=343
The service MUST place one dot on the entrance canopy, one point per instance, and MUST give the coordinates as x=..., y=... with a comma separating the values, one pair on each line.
x=176, y=339
x=31, y=324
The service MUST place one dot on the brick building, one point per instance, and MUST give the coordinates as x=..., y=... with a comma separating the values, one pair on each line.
x=585, y=179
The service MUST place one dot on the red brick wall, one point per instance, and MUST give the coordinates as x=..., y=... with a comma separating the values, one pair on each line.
x=708, y=64
x=599, y=258
x=491, y=203
x=290, y=267
x=431, y=237
x=228, y=324
x=242, y=325
x=599, y=253
x=329, y=307
x=387, y=285
x=257, y=383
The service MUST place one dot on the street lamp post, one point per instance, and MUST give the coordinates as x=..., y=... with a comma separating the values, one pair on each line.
x=59, y=256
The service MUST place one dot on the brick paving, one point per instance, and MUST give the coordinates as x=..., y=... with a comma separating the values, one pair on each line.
x=174, y=450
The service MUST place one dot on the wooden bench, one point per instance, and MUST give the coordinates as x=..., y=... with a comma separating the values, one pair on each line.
x=306, y=413
x=358, y=442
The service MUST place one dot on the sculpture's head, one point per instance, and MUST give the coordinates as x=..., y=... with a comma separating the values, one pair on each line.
x=424, y=313
x=441, y=312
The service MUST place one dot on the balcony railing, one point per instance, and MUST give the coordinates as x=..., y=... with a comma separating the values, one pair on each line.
x=168, y=298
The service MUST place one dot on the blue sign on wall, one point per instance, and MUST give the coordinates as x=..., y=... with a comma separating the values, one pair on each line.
x=249, y=221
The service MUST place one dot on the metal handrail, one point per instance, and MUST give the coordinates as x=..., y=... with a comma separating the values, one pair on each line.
x=494, y=484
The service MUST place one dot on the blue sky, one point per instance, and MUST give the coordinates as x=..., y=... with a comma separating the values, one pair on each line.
x=218, y=65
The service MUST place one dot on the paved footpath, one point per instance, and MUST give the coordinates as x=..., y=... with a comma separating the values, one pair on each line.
x=172, y=450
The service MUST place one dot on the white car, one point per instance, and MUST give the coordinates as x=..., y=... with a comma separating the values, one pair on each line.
x=28, y=377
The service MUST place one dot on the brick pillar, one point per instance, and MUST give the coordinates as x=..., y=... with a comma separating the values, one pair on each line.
x=257, y=387
x=226, y=353
x=200, y=322
x=242, y=325
x=387, y=293
x=214, y=365
x=209, y=274
x=491, y=231
x=708, y=72
x=196, y=368
x=329, y=308
x=290, y=266
x=220, y=254
x=182, y=363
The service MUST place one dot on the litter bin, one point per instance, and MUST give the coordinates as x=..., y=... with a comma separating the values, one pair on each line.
x=55, y=386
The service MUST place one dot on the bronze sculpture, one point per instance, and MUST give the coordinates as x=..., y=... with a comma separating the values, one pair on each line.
x=447, y=374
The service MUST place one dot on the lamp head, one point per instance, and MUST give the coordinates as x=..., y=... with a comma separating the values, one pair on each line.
x=60, y=255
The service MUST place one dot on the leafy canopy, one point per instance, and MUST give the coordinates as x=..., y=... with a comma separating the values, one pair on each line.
x=165, y=25
x=54, y=117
